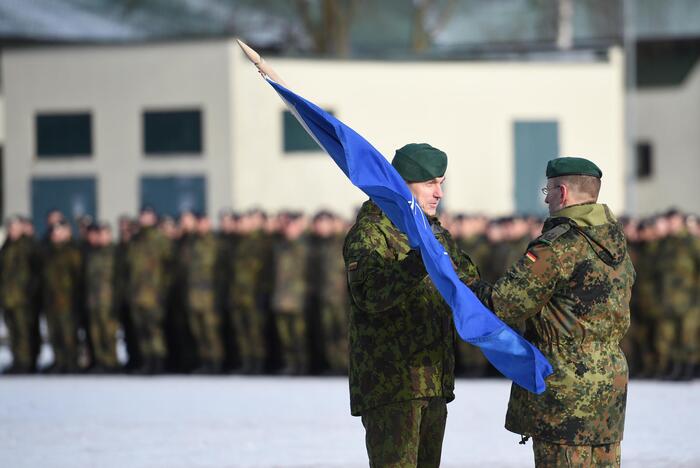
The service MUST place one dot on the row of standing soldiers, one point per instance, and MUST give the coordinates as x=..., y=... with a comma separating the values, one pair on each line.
x=268, y=294
x=261, y=295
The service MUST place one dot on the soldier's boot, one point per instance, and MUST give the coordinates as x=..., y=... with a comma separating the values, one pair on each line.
x=157, y=365
x=258, y=366
x=674, y=372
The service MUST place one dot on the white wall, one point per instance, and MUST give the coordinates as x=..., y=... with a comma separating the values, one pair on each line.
x=464, y=108
x=669, y=118
x=2, y=121
x=116, y=84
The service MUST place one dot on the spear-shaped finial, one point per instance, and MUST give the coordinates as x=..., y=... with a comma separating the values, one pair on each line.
x=258, y=61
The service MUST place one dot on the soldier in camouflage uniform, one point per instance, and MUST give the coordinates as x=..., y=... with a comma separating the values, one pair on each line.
x=289, y=295
x=61, y=277
x=100, y=299
x=202, y=314
x=679, y=261
x=571, y=290
x=147, y=258
x=17, y=286
x=247, y=314
x=401, y=330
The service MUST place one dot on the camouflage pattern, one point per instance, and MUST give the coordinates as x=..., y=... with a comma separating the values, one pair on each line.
x=102, y=318
x=572, y=291
x=147, y=257
x=334, y=302
x=203, y=317
x=61, y=277
x=289, y=301
x=551, y=455
x=401, y=330
x=406, y=434
x=248, y=318
x=17, y=287
x=677, y=338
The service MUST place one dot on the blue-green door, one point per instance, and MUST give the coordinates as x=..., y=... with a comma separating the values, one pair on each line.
x=536, y=142
x=174, y=194
x=74, y=196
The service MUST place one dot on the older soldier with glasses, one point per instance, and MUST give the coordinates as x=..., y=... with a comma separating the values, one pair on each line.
x=571, y=291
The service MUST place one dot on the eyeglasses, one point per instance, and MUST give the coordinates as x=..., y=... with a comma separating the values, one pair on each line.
x=546, y=190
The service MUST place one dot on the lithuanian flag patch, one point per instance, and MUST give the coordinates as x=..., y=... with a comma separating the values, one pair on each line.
x=531, y=256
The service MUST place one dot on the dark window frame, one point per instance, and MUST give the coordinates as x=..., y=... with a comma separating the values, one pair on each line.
x=53, y=145
x=191, y=147
x=644, y=159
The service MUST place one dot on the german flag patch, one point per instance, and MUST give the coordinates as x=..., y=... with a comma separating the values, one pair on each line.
x=531, y=256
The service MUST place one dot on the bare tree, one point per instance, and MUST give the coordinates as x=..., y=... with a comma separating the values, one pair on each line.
x=429, y=18
x=328, y=22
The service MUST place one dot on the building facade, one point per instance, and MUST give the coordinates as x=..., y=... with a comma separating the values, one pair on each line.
x=102, y=130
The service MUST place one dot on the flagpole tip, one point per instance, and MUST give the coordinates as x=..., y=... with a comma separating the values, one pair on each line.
x=249, y=52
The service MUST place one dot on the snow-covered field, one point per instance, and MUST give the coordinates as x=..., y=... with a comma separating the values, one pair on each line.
x=267, y=421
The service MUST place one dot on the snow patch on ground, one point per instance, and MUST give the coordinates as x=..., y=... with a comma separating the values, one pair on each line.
x=180, y=421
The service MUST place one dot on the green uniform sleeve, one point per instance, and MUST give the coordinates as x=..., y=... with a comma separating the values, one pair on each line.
x=525, y=288
x=376, y=280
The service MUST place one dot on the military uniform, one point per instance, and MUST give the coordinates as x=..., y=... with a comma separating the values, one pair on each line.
x=248, y=318
x=100, y=300
x=677, y=336
x=333, y=303
x=61, y=277
x=571, y=290
x=288, y=303
x=203, y=317
x=148, y=257
x=401, y=341
x=17, y=286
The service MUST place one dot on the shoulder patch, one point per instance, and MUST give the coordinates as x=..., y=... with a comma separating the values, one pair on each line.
x=553, y=234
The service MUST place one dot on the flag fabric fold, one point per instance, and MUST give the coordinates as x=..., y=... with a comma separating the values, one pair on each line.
x=368, y=170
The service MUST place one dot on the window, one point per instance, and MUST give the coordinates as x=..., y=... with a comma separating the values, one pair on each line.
x=536, y=142
x=172, y=132
x=63, y=135
x=171, y=195
x=296, y=139
x=645, y=156
x=73, y=196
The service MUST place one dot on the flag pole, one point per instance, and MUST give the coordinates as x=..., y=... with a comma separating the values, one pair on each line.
x=263, y=67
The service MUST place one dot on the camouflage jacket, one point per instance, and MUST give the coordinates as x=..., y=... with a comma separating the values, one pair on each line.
x=18, y=265
x=148, y=257
x=332, y=284
x=200, y=273
x=572, y=289
x=401, y=330
x=678, y=262
x=248, y=268
x=290, y=286
x=99, y=278
x=61, y=278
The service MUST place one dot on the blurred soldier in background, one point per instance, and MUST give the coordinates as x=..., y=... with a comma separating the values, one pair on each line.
x=147, y=258
x=61, y=284
x=227, y=238
x=127, y=228
x=332, y=290
x=290, y=294
x=100, y=298
x=203, y=317
x=679, y=261
x=248, y=316
x=18, y=284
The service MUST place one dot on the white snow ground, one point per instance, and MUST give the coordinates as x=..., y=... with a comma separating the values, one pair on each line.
x=272, y=422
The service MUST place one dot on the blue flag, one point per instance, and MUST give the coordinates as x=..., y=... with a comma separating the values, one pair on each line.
x=368, y=170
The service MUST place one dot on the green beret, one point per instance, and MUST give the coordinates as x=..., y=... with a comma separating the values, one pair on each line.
x=418, y=162
x=572, y=166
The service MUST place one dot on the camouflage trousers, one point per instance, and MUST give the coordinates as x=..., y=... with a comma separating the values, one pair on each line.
x=334, y=320
x=205, y=325
x=148, y=325
x=677, y=339
x=406, y=434
x=551, y=455
x=291, y=328
x=103, y=336
x=63, y=335
x=250, y=325
x=20, y=322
